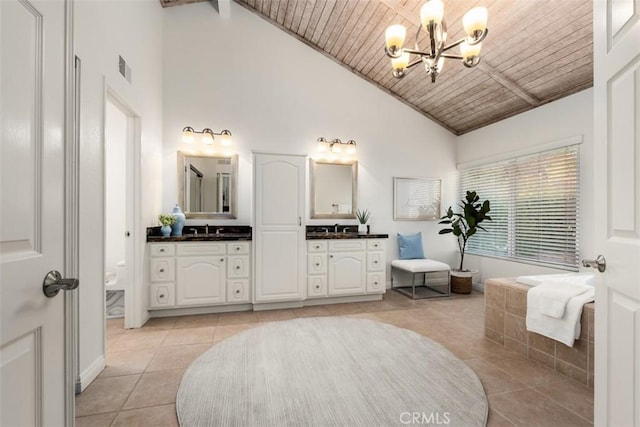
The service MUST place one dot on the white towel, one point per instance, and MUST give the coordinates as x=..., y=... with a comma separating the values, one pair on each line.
x=553, y=296
x=567, y=329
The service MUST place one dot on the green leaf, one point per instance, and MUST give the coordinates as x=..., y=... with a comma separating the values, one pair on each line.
x=445, y=231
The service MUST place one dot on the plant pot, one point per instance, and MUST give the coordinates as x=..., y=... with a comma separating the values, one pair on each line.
x=462, y=282
x=362, y=228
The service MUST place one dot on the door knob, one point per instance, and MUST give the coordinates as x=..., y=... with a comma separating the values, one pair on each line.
x=600, y=263
x=53, y=282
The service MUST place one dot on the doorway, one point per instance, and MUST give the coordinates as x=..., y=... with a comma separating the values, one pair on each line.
x=121, y=148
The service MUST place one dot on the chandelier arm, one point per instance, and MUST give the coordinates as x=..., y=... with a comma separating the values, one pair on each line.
x=452, y=45
x=417, y=52
x=448, y=55
x=414, y=63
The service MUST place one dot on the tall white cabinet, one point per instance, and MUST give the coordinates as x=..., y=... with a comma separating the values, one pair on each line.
x=279, y=240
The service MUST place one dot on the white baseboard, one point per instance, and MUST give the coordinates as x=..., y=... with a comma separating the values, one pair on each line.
x=91, y=373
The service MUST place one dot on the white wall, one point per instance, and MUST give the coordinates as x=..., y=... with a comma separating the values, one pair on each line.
x=559, y=120
x=277, y=95
x=104, y=30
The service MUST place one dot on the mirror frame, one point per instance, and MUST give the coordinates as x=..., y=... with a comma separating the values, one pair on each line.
x=354, y=190
x=233, y=188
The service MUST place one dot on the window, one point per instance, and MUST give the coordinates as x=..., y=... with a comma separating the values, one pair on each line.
x=534, y=206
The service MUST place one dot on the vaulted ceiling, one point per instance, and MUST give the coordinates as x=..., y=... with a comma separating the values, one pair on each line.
x=537, y=51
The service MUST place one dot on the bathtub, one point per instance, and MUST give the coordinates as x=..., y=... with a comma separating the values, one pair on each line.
x=505, y=323
x=583, y=278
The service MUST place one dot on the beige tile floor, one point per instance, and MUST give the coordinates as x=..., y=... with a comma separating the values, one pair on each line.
x=144, y=366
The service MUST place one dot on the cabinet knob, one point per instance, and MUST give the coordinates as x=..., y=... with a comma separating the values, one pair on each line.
x=330, y=256
x=375, y=283
x=375, y=262
x=237, y=291
x=221, y=259
x=237, y=267
x=317, y=264
x=375, y=245
x=161, y=296
x=162, y=250
x=237, y=248
x=317, y=246
x=162, y=270
x=317, y=286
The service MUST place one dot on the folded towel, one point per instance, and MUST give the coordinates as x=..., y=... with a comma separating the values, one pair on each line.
x=567, y=329
x=553, y=295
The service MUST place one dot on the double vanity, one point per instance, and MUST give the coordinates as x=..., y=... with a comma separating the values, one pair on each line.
x=210, y=269
x=280, y=262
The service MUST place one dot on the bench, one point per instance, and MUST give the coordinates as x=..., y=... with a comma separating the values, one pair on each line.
x=439, y=286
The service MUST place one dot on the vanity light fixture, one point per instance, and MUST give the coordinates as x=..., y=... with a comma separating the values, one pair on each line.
x=336, y=146
x=432, y=21
x=207, y=136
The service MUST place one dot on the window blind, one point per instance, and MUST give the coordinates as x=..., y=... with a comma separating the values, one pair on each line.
x=535, y=207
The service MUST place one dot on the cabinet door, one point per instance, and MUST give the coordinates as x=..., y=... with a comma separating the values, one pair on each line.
x=347, y=273
x=238, y=266
x=200, y=280
x=317, y=264
x=161, y=295
x=375, y=261
x=316, y=286
x=162, y=269
x=279, y=191
x=375, y=282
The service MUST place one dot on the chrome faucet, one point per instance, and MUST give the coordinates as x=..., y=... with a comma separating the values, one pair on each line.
x=206, y=229
x=326, y=230
x=335, y=228
x=195, y=231
x=218, y=230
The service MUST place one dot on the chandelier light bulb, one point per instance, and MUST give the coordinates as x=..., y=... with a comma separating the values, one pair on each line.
x=475, y=21
x=394, y=37
x=468, y=51
x=432, y=10
x=400, y=63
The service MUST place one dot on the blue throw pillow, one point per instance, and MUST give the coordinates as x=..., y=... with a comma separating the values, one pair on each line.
x=410, y=246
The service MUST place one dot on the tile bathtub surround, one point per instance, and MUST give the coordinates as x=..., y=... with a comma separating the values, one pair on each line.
x=138, y=386
x=505, y=323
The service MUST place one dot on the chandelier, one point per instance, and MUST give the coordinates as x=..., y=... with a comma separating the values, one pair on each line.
x=433, y=22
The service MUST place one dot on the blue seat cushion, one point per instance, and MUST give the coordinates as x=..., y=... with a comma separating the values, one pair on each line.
x=410, y=246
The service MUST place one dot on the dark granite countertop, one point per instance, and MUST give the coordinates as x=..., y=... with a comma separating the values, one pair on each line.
x=198, y=233
x=326, y=232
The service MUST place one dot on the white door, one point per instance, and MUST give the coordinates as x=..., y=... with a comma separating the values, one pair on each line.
x=347, y=273
x=32, y=335
x=279, y=232
x=617, y=195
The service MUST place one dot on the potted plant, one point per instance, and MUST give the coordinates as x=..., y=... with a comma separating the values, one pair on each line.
x=167, y=221
x=463, y=225
x=363, y=217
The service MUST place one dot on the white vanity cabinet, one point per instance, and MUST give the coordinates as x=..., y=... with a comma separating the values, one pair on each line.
x=345, y=267
x=190, y=274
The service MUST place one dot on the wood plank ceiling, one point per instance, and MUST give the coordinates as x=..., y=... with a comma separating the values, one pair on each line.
x=537, y=51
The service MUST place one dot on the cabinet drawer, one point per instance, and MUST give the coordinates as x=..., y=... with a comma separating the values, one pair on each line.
x=162, y=295
x=161, y=249
x=317, y=246
x=347, y=245
x=238, y=248
x=375, y=245
x=316, y=286
x=238, y=266
x=162, y=270
x=375, y=261
x=317, y=264
x=238, y=290
x=186, y=249
x=375, y=282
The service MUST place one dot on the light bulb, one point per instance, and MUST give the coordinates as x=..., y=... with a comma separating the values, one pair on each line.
x=432, y=10
x=400, y=63
x=336, y=148
x=187, y=135
x=225, y=138
x=207, y=137
x=474, y=21
x=394, y=37
x=468, y=51
x=351, y=147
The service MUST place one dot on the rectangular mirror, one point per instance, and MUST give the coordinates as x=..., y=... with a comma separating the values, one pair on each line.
x=334, y=188
x=207, y=186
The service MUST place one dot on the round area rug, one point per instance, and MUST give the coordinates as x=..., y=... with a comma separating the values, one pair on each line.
x=329, y=371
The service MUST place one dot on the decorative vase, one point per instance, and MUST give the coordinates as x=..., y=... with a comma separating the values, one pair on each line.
x=165, y=230
x=362, y=228
x=176, y=229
